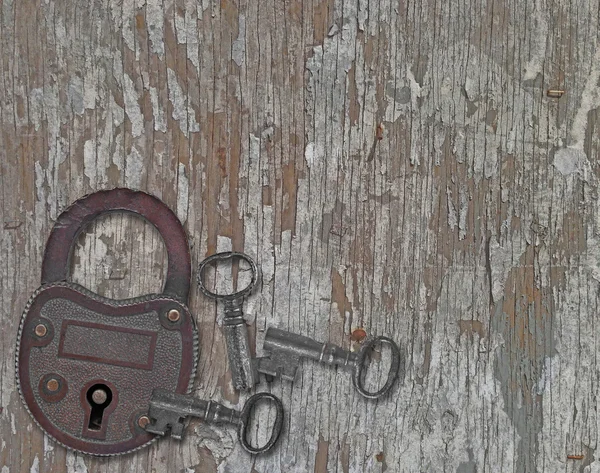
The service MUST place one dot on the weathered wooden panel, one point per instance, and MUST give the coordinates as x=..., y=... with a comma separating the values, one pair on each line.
x=395, y=166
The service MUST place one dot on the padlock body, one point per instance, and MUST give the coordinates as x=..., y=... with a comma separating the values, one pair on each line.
x=87, y=365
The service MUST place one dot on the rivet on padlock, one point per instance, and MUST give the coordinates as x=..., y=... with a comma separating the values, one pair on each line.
x=85, y=363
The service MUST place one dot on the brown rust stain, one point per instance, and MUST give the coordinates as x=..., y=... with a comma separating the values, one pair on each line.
x=289, y=187
x=267, y=197
x=571, y=240
x=140, y=23
x=380, y=457
x=470, y=328
x=353, y=105
x=423, y=372
x=358, y=335
x=345, y=457
x=322, y=456
x=523, y=298
x=338, y=294
x=322, y=14
x=575, y=457
x=222, y=160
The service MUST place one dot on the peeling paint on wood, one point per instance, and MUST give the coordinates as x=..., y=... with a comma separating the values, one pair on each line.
x=394, y=167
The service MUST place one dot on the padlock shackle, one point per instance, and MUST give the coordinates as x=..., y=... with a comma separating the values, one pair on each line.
x=61, y=242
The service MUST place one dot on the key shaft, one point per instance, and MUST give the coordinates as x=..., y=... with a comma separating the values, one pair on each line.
x=238, y=346
x=300, y=346
x=190, y=406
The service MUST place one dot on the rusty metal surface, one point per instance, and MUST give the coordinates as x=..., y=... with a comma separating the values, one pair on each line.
x=87, y=365
x=169, y=362
x=72, y=222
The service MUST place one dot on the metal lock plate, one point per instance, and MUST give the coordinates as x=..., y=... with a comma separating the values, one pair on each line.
x=87, y=365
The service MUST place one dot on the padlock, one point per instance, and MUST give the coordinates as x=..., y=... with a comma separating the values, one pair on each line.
x=87, y=365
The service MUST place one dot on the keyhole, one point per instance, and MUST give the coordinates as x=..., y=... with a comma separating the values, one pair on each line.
x=99, y=397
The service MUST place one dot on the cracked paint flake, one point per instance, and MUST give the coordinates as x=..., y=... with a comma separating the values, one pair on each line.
x=462, y=214
x=590, y=100
x=452, y=214
x=132, y=107
x=75, y=463
x=180, y=29
x=539, y=35
x=126, y=11
x=75, y=94
x=569, y=161
x=183, y=113
x=89, y=161
x=160, y=122
x=238, y=50
x=155, y=24
x=312, y=154
x=134, y=168
x=183, y=193
x=35, y=466
x=502, y=260
x=117, y=112
x=48, y=446
x=36, y=107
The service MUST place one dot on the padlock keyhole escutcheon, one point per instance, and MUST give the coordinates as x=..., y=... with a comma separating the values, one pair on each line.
x=87, y=364
x=99, y=396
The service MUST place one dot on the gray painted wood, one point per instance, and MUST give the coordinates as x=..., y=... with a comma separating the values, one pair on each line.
x=395, y=166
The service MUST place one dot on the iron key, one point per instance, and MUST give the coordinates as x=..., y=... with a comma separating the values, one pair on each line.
x=286, y=349
x=234, y=325
x=168, y=410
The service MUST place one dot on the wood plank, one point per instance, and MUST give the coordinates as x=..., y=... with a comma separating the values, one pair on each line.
x=392, y=165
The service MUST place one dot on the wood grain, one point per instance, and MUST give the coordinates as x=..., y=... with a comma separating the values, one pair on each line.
x=395, y=166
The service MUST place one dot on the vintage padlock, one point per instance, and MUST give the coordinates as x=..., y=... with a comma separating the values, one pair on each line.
x=87, y=365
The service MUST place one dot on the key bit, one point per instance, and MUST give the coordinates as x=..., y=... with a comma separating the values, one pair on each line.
x=169, y=410
x=278, y=363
